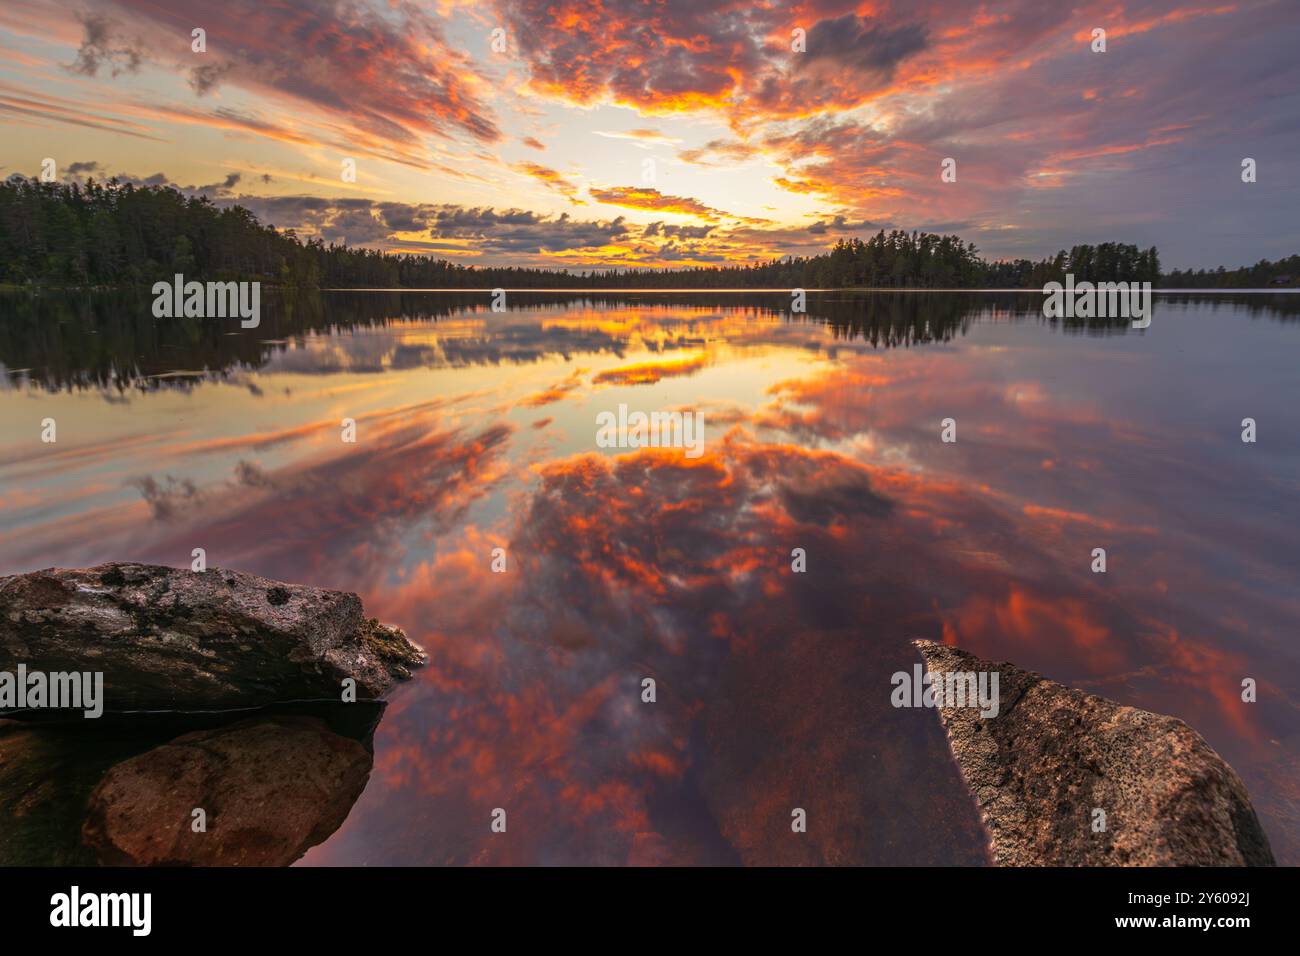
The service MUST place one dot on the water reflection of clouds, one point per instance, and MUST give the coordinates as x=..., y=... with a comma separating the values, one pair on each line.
x=646, y=564
x=1071, y=476
x=773, y=686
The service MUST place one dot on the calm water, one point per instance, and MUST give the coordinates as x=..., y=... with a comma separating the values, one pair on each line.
x=476, y=431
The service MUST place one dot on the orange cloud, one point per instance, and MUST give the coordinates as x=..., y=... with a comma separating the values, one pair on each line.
x=551, y=179
x=647, y=373
x=644, y=197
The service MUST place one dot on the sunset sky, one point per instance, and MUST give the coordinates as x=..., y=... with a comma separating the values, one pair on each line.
x=626, y=132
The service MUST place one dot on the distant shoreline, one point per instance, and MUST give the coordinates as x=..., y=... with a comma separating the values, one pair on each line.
x=787, y=291
x=110, y=234
x=12, y=287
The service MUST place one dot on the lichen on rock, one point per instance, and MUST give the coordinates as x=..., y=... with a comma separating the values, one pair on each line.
x=175, y=639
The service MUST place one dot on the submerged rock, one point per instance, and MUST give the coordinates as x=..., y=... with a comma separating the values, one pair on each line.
x=269, y=789
x=46, y=774
x=173, y=639
x=48, y=771
x=1054, y=755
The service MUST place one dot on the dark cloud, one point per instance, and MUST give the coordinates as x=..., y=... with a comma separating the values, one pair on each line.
x=251, y=475
x=103, y=46
x=222, y=188
x=842, y=224
x=680, y=232
x=368, y=222
x=401, y=217
x=170, y=497
x=205, y=78
x=854, y=42
x=355, y=227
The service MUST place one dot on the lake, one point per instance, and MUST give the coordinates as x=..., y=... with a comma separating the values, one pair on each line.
x=823, y=446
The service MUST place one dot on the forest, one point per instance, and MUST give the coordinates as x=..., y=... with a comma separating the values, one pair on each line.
x=109, y=234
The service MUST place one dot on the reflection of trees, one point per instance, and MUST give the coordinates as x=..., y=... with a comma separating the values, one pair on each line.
x=1284, y=307
x=77, y=340
x=111, y=339
x=898, y=319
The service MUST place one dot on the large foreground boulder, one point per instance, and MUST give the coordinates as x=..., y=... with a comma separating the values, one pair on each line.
x=171, y=639
x=1053, y=756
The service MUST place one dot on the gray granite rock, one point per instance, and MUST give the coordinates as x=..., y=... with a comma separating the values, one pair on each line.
x=173, y=639
x=1053, y=754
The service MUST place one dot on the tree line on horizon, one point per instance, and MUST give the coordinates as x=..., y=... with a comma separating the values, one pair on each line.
x=114, y=234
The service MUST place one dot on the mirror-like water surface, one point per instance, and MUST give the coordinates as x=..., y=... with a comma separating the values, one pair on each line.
x=476, y=430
